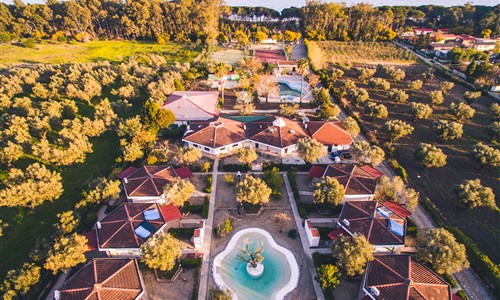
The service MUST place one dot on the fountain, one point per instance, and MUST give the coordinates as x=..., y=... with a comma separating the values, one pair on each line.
x=254, y=266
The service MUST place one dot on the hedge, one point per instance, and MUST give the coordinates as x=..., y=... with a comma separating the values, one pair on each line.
x=398, y=169
x=181, y=232
x=206, y=207
x=235, y=168
x=208, y=185
x=293, y=184
x=190, y=263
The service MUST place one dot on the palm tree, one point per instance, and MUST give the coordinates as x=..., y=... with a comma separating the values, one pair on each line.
x=220, y=71
x=302, y=69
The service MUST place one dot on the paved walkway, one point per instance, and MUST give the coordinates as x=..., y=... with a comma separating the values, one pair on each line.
x=303, y=239
x=205, y=271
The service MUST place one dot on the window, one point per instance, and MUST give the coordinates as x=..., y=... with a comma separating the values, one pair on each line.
x=223, y=148
x=207, y=149
x=235, y=145
x=257, y=145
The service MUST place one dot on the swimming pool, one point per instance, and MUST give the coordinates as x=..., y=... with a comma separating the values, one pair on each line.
x=285, y=90
x=281, y=272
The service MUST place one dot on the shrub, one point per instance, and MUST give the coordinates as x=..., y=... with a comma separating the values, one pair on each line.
x=430, y=156
x=485, y=155
x=292, y=234
x=462, y=111
x=229, y=178
x=191, y=263
x=206, y=207
x=396, y=129
x=420, y=110
x=447, y=130
x=29, y=43
x=208, y=185
x=380, y=84
x=328, y=276
x=473, y=194
x=375, y=110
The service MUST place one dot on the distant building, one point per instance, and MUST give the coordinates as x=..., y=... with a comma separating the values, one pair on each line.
x=192, y=105
x=145, y=184
x=312, y=233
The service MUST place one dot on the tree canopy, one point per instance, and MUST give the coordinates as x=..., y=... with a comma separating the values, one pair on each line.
x=161, y=252
x=430, y=156
x=178, y=192
x=474, y=194
x=310, y=150
x=67, y=252
x=353, y=253
x=328, y=191
x=364, y=153
x=252, y=190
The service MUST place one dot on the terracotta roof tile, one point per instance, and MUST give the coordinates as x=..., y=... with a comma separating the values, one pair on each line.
x=217, y=133
x=265, y=131
x=364, y=219
x=355, y=179
x=193, y=105
x=117, y=228
x=329, y=133
x=403, y=277
x=104, y=279
x=149, y=181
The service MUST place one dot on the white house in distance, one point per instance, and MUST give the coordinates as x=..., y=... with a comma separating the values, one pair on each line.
x=275, y=135
x=192, y=105
x=313, y=235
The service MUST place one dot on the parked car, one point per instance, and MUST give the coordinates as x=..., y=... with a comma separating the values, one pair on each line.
x=341, y=154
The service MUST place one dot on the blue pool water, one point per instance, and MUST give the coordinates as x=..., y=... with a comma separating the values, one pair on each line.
x=285, y=90
x=276, y=275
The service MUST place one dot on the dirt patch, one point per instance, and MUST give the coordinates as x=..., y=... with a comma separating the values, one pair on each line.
x=180, y=289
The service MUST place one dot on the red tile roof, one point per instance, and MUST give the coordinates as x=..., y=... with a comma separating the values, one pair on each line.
x=104, y=279
x=270, y=56
x=170, y=212
x=403, y=277
x=364, y=219
x=118, y=228
x=329, y=133
x=149, y=181
x=334, y=235
x=397, y=209
x=316, y=172
x=125, y=173
x=355, y=179
x=184, y=173
x=193, y=105
x=217, y=133
x=276, y=131
x=314, y=232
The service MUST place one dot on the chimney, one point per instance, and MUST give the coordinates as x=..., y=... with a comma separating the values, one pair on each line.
x=125, y=180
x=57, y=295
x=98, y=224
x=346, y=222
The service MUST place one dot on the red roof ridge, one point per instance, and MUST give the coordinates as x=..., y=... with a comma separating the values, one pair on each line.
x=392, y=270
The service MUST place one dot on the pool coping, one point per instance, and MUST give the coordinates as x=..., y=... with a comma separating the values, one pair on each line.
x=294, y=267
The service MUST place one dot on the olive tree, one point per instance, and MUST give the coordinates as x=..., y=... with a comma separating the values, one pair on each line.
x=67, y=222
x=364, y=73
x=485, y=155
x=351, y=126
x=363, y=152
x=177, y=192
x=353, y=253
x=376, y=111
x=429, y=156
x=67, y=252
x=439, y=248
x=274, y=180
x=462, y=111
x=161, y=252
x=18, y=282
x=310, y=150
x=398, y=96
x=357, y=96
x=436, y=97
x=328, y=276
x=288, y=110
x=188, y=155
x=470, y=95
x=414, y=85
x=395, y=190
x=396, y=129
x=328, y=191
x=447, y=130
x=252, y=190
x=100, y=190
x=474, y=194
x=446, y=86
x=31, y=187
x=246, y=155
x=380, y=84
x=420, y=110
x=494, y=131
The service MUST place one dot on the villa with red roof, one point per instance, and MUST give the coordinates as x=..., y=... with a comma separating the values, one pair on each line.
x=192, y=105
x=277, y=135
x=104, y=279
x=384, y=229
x=359, y=181
x=145, y=184
x=124, y=230
x=402, y=277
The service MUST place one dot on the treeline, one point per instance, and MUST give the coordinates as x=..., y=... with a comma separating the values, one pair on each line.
x=179, y=20
x=363, y=22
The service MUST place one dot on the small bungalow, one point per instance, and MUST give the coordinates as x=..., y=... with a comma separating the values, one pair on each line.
x=145, y=184
x=331, y=134
x=192, y=105
x=287, y=65
x=384, y=229
x=124, y=230
x=401, y=277
x=312, y=233
x=359, y=181
x=104, y=279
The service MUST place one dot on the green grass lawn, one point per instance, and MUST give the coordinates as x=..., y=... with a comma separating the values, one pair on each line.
x=27, y=226
x=50, y=52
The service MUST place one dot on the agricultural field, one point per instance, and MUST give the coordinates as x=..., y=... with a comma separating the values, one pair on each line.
x=333, y=52
x=55, y=53
x=481, y=224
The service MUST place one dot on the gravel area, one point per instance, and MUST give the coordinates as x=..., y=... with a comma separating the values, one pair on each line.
x=180, y=289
